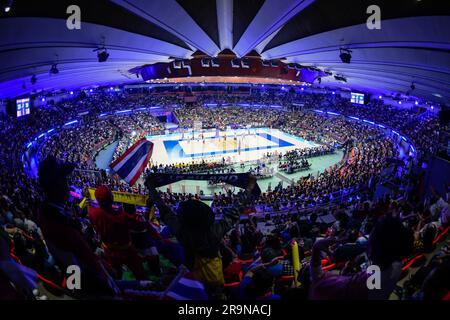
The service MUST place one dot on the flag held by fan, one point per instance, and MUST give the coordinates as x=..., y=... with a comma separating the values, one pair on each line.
x=130, y=165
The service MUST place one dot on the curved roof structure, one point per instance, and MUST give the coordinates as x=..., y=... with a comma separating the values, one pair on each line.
x=411, y=47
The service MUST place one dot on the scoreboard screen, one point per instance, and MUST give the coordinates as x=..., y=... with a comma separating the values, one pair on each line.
x=357, y=98
x=23, y=107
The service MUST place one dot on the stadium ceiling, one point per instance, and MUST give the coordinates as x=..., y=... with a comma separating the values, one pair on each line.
x=412, y=45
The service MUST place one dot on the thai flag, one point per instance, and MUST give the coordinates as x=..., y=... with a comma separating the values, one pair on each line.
x=186, y=288
x=132, y=163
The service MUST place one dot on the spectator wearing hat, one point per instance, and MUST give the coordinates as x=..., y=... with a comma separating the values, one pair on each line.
x=113, y=227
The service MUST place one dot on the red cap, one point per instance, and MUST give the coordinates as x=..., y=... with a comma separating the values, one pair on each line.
x=103, y=194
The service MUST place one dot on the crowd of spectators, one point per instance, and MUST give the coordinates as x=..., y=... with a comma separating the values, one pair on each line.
x=42, y=231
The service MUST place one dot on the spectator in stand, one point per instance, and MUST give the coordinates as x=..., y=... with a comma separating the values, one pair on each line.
x=201, y=236
x=258, y=282
x=389, y=243
x=16, y=281
x=144, y=238
x=113, y=227
x=62, y=231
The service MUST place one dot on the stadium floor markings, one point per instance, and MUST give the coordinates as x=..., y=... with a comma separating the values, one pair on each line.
x=239, y=145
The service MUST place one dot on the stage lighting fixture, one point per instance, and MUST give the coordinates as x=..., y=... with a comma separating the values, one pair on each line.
x=102, y=54
x=345, y=55
x=33, y=79
x=8, y=6
x=54, y=69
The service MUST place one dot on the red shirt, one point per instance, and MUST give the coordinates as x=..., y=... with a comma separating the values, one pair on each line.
x=112, y=226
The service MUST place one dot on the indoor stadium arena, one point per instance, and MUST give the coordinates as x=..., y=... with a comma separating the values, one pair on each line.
x=224, y=150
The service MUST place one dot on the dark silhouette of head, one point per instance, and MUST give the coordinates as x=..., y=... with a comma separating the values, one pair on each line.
x=53, y=178
x=261, y=284
x=195, y=215
x=389, y=242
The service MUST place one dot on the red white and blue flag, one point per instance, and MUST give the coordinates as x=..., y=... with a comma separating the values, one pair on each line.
x=186, y=288
x=132, y=163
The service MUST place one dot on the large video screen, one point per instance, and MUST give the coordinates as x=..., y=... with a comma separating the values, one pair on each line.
x=357, y=98
x=23, y=107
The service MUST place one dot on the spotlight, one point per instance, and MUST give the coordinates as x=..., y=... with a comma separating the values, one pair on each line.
x=71, y=92
x=54, y=69
x=380, y=97
x=102, y=54
x=345, y=55
x=8, y=6
x=33, y=79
